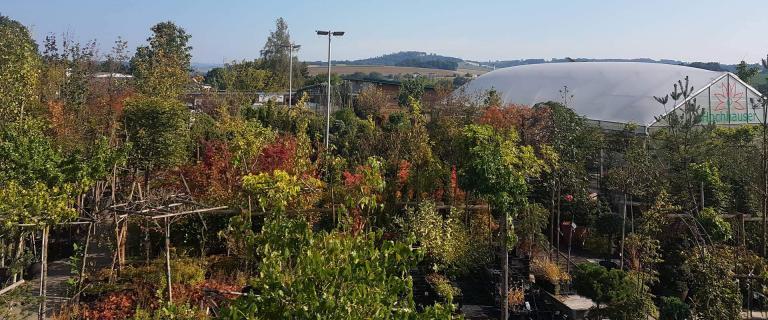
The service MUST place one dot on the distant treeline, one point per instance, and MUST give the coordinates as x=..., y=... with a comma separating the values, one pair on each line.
x=432, y=64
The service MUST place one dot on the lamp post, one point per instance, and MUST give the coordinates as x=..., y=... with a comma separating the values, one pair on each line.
x=290, y=48
x=329, y=33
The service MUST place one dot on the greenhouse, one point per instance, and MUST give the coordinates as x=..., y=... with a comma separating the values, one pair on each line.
x=613, y=94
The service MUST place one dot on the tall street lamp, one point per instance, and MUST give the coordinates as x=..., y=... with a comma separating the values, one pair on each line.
x=329, y=33
x=290, y=48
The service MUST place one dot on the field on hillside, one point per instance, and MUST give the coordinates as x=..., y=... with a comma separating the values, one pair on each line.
x=389, y=70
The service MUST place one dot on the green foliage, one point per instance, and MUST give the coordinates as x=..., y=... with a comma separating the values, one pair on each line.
x=496, y=166
x=410, y=89
x=492, y=98
x=330, y=276
x=443, y=287
x=162, y=68
x=624, y=297
x=708, y=177
x=447, y=242
x=609, y=224
x=27, y=156
x=672, y=308
x=19, y=70
x=184, y=271
x=715, y=226
x=277, y=191
x=246, y=139
x=35, y=204
x=248, y=76
x=276, y=58
x=352, y=137
x=713, y=292
x=746, y=72
x=362, y=189
x=598, y=244
x=158, y=129
x=532, y=220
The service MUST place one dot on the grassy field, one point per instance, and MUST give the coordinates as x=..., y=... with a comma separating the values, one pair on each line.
x=390, y=70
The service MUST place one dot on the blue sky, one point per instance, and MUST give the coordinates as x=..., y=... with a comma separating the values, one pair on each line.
x=703, y=30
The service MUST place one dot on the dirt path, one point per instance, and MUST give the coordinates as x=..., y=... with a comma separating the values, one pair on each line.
x=26, y=298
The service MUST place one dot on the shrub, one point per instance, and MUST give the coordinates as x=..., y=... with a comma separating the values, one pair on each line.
x=715, y=226
x=446, y=241
x=331, y=275
x=549, y=270
x=672, y=308
x=443, y=286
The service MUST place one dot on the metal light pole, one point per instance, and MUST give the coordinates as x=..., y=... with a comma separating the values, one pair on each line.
x=290, y=48
x=329, y=33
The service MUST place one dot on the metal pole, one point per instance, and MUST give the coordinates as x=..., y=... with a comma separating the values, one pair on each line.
x=505, y=266
x=328, y=106
x=570, y=244
x=290, y=74
x=623, y=231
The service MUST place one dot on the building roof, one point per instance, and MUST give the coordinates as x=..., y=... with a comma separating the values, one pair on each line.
x=617, y=92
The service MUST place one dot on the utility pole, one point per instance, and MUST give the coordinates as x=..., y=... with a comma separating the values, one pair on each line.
x=329, y=33
x=290, y=48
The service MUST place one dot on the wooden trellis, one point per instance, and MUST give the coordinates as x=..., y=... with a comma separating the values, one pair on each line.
x=168, y=210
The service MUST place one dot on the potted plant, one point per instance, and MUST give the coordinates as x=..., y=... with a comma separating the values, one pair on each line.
x=549, y=275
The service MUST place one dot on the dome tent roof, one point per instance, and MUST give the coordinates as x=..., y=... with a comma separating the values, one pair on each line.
x=616, y=92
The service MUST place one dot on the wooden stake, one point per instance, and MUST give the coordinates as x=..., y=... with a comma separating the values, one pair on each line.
x=81, y=278
x=168, y=258
x=43, y=275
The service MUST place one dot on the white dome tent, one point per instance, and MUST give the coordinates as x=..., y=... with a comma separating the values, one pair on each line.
x=613, y=94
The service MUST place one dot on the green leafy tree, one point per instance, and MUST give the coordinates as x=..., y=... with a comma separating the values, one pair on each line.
x=19, y=70
x=714, y=293
x=410, y=89
x=497, y=167
x=161, y=69
x=158, y=130
x=239, y=76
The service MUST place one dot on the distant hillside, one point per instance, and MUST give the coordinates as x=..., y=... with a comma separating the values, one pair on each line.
x=416, y=59
x=714, y=66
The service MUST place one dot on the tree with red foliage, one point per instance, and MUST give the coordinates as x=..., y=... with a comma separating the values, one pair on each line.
x=533, y=125
x=215, y=178
x=278, y=155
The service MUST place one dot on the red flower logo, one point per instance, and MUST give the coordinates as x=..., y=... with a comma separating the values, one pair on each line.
x=728, y=96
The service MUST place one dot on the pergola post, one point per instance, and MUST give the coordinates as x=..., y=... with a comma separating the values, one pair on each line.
x=168, y=258
x=43, y=274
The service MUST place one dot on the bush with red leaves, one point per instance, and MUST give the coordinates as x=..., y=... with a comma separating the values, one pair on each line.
x=278, y=155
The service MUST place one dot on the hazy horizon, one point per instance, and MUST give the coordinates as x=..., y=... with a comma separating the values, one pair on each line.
x=495, y=30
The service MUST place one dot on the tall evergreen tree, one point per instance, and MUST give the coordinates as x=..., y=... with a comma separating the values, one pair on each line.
x=276, y=58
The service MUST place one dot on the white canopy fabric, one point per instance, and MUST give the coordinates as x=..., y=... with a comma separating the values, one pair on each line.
x=620, y=92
